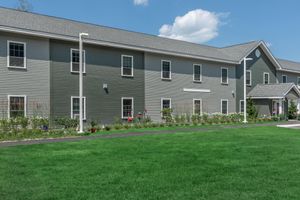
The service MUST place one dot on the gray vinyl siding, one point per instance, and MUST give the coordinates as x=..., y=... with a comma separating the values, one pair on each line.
x=291, y=77
x=182, y=77
x=263, y=106
x=103, y=66
x=257, y=66
x=33, y=82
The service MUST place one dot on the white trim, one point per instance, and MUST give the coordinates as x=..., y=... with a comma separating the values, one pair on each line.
x=111, y=44
x=250, y=77
x=197, y=81
x=293, y=86
x=200, y=106
x=286, y=80
x=161, y=70
x=266, y=97
x=161, y=102
x=222, y=105
x=288, y=70
x=264, y=80
x=25, y=104
x=128, y=56
x=240, y=106
x=71, y=61
x=77, y=97
x=196, y=90
x=222, y=76
x=132, y=105
x=8, y=54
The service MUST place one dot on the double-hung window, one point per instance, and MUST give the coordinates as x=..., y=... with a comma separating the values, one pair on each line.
x=127, y=107
x=165, y=103
x=224, y=106
x=75, y=108
x=197, y=106
x=127, y=65
x=248, y=78
x=224, y=75
x=166, y=69
x=75, y=60
x=16, y=106
x=266, y=78
x=241, y=106
x=16, y=55
x=284, y=79
x=197, y=73
x=298, y=81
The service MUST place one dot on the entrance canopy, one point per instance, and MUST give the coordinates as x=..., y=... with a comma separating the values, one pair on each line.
x=275, y=91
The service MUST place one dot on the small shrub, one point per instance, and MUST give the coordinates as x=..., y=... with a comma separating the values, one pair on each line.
x=167, y=115
x=107, y=128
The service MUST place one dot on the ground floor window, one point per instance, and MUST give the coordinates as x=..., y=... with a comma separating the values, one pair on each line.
x=127, y=107
x=16, y=106
x=165, y=103
x=224, y=106
x=75, y=108
x=197, y=106
x=241, y=106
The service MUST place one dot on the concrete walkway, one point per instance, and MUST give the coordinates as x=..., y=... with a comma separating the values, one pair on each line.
x=146, y=132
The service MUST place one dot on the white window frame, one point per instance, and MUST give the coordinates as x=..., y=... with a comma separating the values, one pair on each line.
x=132, y=100
x=298, y=82
x=71, y=61
x=77, y=97
x=25, y=104
x=226, y=83
x=8, y=54
x=250, y=77
x=286, y=78
x=200, y=106
x=264, y=80
x=222, y=106
x=240, y=106
x=161, y=69
x=161, y=103
x=198, y=81
x=129, y=56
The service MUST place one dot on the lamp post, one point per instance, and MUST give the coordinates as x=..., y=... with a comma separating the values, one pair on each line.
x=245, y=89
x=81, y=83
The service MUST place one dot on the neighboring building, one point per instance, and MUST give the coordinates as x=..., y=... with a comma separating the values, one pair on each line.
x=127, y=73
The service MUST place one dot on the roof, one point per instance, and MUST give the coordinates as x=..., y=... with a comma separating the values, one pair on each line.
x=269, y=91
x=64, y=27
x=289, y=65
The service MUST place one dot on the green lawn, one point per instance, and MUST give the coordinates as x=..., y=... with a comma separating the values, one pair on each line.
x=248, y=163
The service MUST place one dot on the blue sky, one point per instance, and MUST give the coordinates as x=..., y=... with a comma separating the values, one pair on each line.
x=211, y=22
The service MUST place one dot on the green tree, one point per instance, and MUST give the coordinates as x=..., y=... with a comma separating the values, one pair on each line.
x=292, y=110
x=251, y=109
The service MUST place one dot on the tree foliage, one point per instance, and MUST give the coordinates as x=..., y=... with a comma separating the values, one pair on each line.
x=251, y=109
x=292, y=110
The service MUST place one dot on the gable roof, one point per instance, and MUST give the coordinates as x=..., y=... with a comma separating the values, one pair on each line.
x=272, y=91
x=289, y=65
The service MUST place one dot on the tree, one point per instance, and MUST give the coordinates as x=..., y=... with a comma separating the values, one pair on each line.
x=292, y=110
x=24, y=5
x=251, y=109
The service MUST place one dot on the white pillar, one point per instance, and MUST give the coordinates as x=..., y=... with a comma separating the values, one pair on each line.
x=80, y=86
x=245, y=92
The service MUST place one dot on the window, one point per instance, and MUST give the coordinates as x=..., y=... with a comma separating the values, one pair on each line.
x=166, y=69
x=75, y=61
x=16, y=54
x=16, y=106
x=224, y=75
x=197, y=106
x=248, y=78
x=224, y=106
x=165, y=103
x=266, y=78
x=75, y=108
x=127, y=107
x=241, y=106
x=197, y=73
x=284, y=79
x=298, y=81
x=127, y=65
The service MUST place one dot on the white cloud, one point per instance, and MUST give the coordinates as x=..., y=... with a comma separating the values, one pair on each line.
x=140, y=2
x=196, y=26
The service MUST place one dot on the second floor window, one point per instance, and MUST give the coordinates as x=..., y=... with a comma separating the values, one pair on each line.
x=266, y=78
x=248, y=78
x=224, y=75
x=16, y=54
x=127, y=65
x=75, y=61
x=166, y=69
x=197, y=73
x=284, y=79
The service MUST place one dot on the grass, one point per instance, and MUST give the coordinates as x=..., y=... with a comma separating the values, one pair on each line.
x=248, y=163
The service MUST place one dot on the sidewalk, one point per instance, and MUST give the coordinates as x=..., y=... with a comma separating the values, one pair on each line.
x=130, y=134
